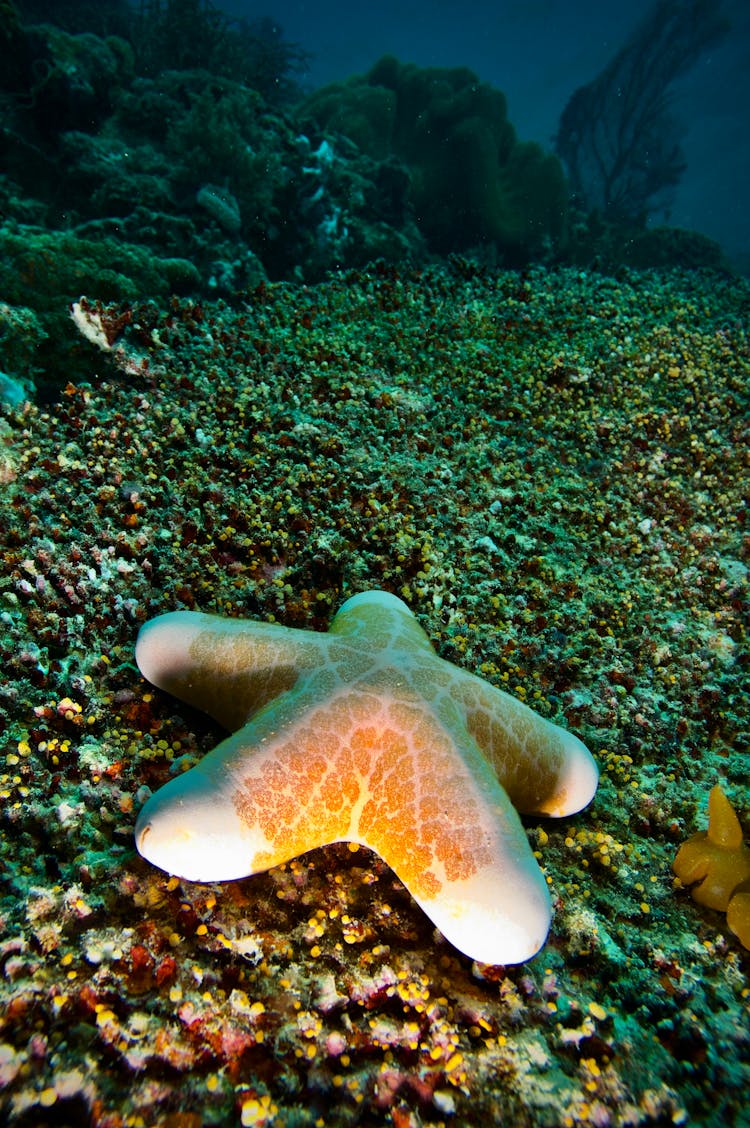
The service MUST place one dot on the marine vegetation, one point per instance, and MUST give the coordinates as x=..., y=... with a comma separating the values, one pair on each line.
x=617, y=136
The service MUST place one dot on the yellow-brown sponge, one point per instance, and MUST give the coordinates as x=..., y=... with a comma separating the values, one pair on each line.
x=716, y=862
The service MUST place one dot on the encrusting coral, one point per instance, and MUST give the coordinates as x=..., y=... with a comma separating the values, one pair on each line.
x=363, y=735
x=716, y=863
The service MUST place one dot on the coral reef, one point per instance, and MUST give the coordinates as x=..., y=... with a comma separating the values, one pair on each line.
x=471, y=180
x=41, y=271
x=97, y=146
x=550, y=468
x=131, y=184
x=253, y=411
x=172, y=173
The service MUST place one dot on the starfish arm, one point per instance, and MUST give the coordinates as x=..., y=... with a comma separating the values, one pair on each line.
x=435, y=812
x=190, y=828
x=544, y=769
x=501, y=913
x=229, y=668
x=385, y=621
x=370, y=769
x=282, y=785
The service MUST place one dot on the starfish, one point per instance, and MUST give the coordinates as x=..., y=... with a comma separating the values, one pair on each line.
x=362, y=735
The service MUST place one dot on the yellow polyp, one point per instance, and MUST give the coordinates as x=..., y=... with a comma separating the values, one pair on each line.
x=738, y=914
x=719, y=862
x=723, y=825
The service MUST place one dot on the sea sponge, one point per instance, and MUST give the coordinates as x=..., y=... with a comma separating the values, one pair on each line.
x=716, y=862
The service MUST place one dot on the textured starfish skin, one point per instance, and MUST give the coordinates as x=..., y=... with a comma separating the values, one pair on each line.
x=363, y=735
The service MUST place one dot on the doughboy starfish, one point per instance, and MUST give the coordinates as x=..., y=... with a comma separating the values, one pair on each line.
x=362, y=735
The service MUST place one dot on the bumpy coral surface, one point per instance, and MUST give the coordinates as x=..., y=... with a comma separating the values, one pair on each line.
x=550, y=469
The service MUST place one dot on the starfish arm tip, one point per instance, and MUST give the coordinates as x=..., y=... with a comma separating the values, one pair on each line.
x=188, y=830
x=490, y=928
x=577, y=780
x=376, y=598
x=162, y=647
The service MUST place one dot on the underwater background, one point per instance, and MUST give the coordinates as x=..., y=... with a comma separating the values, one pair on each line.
x=446, y=300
